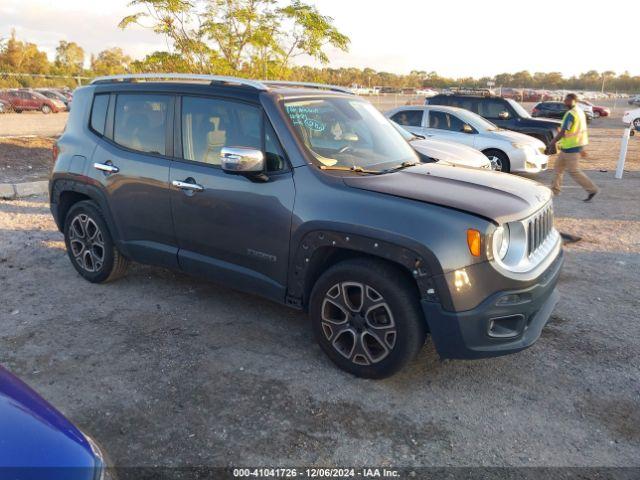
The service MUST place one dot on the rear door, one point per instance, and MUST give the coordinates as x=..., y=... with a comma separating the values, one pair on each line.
x=131, y=163
x=230, y=228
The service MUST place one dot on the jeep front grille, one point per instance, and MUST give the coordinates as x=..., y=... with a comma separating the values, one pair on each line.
x=539, y=227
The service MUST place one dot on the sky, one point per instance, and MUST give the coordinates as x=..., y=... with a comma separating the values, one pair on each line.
x=454, y=38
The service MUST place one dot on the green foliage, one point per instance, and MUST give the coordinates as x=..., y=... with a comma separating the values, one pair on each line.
x=110, y=62
x=69, y=58
x=256, y=37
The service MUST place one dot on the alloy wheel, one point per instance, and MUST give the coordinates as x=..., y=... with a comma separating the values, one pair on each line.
x=358, y=323
x=86, y=243
x=496, y=163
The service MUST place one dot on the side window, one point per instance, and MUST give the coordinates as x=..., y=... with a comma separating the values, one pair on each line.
x=99, y=113
x=141, y=122
x=492, y=108
x=209, y=124
x=409, y=118
x=445, y=121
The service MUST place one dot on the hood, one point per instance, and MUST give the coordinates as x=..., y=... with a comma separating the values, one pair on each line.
x=500, y=197
x=539, y=122
x=34, y=434
x=451, y=152
x=511, y=136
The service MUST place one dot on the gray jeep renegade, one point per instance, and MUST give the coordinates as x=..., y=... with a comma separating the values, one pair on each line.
x=306, y=195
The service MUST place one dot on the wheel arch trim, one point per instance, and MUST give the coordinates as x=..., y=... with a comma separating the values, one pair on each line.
x=60, y=186
x=418, y=261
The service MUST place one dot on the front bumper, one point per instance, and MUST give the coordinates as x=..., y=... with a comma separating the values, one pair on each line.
x=492, y=329
x=529, y=160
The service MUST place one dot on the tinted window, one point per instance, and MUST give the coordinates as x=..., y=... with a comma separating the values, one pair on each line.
x=99, y=113
x=445, y=121
x=141, y=122
x=208, y=125
x=409, y=118
x=273, y=150
x=491, y=108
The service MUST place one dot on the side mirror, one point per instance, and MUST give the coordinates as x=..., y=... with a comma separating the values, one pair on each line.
x=242, y=160
x=466, y=128
x=503, y=115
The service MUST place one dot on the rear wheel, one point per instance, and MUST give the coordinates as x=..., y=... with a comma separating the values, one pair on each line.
x=90, y=246
x=499, y=160
x=367, y=318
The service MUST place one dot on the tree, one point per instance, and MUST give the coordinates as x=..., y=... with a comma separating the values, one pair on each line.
x=21, y=57
x=70, y=57
x=248, y=37
x=110, y=62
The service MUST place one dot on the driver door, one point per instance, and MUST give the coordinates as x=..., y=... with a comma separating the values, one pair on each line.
x=446, y=126
x=230, y=228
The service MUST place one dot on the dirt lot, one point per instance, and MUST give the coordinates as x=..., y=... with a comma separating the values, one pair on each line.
x=164, y=369
x=25, y=159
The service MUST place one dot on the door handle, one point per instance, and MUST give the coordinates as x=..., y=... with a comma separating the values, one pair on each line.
x=106, y=167
x=189, y=184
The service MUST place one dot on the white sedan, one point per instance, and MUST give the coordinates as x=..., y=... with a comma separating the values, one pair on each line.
x=632, y=117
x=508, y=151
x=444, y=151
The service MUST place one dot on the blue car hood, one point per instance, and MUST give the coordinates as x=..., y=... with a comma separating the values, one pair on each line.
x=34, y=434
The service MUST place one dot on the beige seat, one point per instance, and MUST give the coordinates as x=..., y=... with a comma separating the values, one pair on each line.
x=216, y=139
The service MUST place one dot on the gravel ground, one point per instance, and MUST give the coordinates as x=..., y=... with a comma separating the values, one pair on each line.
x=164, y=369
x=32, y=123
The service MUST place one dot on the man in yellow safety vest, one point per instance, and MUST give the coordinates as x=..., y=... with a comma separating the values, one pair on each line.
x=571, y=140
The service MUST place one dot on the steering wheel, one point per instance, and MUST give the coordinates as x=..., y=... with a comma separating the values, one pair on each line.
x=345, y=149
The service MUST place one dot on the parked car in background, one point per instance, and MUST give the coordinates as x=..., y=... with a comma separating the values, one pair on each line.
x=557, y=110
x=597, y=110
x=426, y=92
x=634, y=100
x=503, y=112
x=443, y=151
x=508, y=151
x=38, y=442
x=26, y=100
x=55, y=95
x=632, y=117
x=378, y=247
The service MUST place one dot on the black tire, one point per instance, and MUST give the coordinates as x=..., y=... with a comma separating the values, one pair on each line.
x=90, y=246
x=500, y=159
x=393, y=316
x=46, y=109
x=17, y=111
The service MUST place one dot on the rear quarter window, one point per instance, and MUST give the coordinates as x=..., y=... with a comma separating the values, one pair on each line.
x=99, y=113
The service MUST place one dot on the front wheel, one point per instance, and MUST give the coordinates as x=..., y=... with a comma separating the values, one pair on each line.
x=46, y=109
x=499, y=160
x=90, y=246
x=367, y=318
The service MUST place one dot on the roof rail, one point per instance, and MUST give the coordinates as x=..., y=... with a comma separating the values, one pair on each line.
x=319, y=86
x=180, y=76
x=257, y=84
x=485, y=92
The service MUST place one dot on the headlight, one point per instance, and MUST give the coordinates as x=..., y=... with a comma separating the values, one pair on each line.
x=501, y=242
x=520, y=146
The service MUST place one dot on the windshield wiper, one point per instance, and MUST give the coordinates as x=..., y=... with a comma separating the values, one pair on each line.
x=401, y=166
x=354, y=168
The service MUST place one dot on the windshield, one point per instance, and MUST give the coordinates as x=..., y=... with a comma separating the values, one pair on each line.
x=348, y=132
x=406, y=134
x=520, y=110
x=475, y=120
